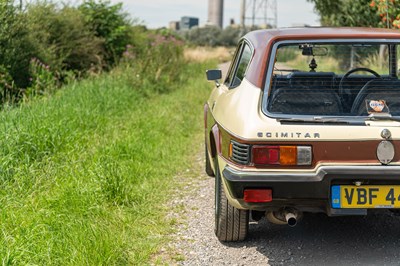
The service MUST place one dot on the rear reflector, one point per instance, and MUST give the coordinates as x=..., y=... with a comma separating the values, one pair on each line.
x=257, y=195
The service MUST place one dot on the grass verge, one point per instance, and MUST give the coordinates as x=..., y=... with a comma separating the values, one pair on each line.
x=84, y=175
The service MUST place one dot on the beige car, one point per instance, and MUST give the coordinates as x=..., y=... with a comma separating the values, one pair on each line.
x=306, y=120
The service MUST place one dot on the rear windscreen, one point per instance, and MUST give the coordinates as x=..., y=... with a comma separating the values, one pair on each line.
x=334, y=79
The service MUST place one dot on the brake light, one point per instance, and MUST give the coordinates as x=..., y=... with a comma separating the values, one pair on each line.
x=265, y=154
x=281, y=155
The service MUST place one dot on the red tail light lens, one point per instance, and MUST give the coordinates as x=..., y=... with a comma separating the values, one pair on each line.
x=265, y=154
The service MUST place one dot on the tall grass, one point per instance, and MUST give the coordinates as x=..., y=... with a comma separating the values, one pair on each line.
x=84, y=175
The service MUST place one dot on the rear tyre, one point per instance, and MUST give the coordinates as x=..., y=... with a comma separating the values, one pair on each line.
x=231, y=224
x=209, y=169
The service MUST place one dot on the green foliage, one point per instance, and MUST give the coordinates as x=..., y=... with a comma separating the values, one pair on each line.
x=110, y=24
x=85, y=174
x=389, y=12
x=70, y=40
x=16, y=49
x=164, y=68
x=43, y=81
x=213, y=36
x=346, y=13
x=230, y=36
x=62, y=39
x=8, y=91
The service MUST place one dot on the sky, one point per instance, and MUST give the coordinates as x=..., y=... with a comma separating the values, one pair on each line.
x=158, y=13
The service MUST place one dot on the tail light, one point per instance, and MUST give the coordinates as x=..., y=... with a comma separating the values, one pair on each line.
x=281, y=155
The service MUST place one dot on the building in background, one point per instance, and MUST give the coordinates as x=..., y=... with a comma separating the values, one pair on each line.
x=174, y=25
x=188, y=22
x=216, y=12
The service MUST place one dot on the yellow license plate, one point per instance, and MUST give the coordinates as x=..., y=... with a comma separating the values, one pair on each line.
x=365, y=196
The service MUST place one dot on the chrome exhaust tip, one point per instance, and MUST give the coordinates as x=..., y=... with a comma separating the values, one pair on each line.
x=291, y=219
x=284, y=216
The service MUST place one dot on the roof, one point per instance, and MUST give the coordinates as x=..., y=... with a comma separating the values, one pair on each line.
x=262, y=41
x=324, y=32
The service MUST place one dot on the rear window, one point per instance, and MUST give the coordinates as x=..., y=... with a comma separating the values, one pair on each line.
x=334, y=79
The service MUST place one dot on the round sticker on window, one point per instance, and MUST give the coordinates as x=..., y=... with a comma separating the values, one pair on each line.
x=377, y=106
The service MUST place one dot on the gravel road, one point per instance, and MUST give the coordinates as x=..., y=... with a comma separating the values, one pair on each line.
x=316, y=240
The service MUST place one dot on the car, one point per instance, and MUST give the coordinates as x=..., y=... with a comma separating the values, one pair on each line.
x=306, y=120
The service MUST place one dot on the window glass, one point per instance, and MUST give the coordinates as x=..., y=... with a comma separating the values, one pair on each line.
x=231, y=72
x=238, y=72
x=244, y=62
x=334, y=79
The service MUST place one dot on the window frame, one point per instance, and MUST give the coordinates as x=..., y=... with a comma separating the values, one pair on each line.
x=234, y=68
x=393, y=68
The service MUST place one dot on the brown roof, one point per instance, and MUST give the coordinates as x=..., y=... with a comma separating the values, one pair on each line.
x=262, y=41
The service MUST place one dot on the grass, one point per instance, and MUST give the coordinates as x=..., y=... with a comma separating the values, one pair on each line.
x=302, y=63
x=204, y=54
x=84, y=175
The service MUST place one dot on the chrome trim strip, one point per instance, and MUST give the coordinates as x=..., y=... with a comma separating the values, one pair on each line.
x=234, y=175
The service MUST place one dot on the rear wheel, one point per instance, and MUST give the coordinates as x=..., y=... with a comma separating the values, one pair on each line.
x=231, y=224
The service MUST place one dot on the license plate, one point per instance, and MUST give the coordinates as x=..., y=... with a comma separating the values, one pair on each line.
x=365, y=197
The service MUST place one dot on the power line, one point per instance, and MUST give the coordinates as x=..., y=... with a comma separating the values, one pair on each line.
x=259, y=11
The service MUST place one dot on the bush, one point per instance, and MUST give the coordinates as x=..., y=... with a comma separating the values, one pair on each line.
x=16, y=48
x=161, y=58
x=43, y=80
x=67, y=39
x=213, y=36
x=62, y=39
x=47, y=43
x=110, y=24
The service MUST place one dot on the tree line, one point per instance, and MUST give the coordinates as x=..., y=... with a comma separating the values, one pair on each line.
x=361, y=13
x=45, y=44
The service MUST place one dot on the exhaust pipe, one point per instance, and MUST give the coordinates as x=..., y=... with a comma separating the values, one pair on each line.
x=284, y=216
x=291, y=219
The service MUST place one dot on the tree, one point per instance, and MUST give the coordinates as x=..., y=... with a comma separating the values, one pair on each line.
x=347, y=13
x=62, y=39
x=109, y=23
x=388, y=11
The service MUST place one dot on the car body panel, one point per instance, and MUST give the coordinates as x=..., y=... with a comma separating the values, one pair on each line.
x=343, y=152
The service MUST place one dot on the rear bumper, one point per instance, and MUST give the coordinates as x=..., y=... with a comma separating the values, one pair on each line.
x=307, y=191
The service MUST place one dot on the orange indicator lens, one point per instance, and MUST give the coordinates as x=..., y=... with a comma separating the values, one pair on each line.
x=288, y=155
